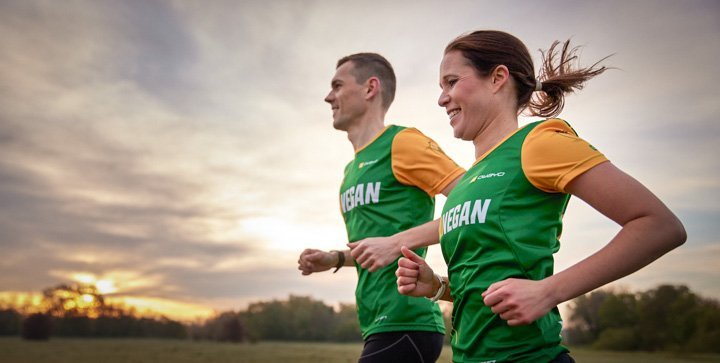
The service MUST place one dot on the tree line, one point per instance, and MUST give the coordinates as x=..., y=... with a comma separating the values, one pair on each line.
x=298, y=318
x=664, y=318
x=80, y=311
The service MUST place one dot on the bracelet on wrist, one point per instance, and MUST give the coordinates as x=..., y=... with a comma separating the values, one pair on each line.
x=341, y=260
x=441, y=290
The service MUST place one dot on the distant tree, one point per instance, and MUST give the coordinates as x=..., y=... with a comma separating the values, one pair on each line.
x=37, y=327
x=706, y=337
x=617, y=322
x=585, y=318
x=232, y=330
x=77, y=310
x=162, y=328
x=298, y=318
x=667, y=317
x=10, y=322
x=74, y=326
x=268, y=320
x=617, y=339
x=617, y=310
x=227, y=326
x=311, y=319
x=347, y=328
x=73, y=300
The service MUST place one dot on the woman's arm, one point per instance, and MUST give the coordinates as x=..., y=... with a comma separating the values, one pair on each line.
x=649, y=230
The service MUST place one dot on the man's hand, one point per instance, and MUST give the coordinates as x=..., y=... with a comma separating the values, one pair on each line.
x=375, y=253
x=312, y=260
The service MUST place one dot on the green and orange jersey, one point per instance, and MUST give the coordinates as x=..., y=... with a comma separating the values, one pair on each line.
x=503, y=220
x=390, y=187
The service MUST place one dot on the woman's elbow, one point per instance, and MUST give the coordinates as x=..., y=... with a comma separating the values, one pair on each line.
x=680, y=233
x=675, y=231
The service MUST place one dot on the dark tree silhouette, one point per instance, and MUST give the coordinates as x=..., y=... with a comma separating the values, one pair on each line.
x=670, y=318
x=10, y=321
x=37, y=327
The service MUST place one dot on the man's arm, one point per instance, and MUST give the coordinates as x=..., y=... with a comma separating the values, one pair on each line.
x=312, y=260
x=377, y=252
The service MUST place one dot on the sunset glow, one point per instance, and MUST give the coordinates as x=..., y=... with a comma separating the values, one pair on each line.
x=105, y=286
x=143, y=306
x=182, y=311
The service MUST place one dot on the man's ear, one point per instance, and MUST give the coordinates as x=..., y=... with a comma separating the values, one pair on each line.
x=499, y=76
x=372, y=88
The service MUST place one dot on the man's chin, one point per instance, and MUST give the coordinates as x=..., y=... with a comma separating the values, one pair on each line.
x=340, y=126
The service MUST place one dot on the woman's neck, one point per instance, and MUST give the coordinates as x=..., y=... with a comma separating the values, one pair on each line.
x=494, y=132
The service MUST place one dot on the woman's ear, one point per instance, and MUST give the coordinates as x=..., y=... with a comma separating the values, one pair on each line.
x=499, y=76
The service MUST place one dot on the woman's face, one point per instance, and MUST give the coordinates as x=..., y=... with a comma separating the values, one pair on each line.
x=466, y=96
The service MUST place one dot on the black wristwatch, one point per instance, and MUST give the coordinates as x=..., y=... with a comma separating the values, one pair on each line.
x=341, y=260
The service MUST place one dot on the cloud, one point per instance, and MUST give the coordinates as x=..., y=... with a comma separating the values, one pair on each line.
x=94, y=176
x=690, y=265
x=185, y=148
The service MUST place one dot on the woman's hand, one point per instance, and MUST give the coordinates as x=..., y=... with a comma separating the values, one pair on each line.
x=414, y=276
x=519, y=302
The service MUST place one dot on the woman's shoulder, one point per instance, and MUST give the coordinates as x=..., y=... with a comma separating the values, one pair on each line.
x=553, y=125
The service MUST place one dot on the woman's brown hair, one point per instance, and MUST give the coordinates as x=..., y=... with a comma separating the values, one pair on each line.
x=487, y=49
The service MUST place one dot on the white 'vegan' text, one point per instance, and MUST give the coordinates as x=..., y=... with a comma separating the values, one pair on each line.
x=464, y=214
x=360, y=194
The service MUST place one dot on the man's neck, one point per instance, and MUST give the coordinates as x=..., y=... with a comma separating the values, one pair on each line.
x=363, y=132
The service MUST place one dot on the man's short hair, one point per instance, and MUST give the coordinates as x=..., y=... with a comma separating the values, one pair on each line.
x=367, y=65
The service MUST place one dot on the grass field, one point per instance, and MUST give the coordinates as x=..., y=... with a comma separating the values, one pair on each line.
x=15, y=350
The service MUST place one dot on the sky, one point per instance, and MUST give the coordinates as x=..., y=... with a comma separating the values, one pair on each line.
x=179, y=155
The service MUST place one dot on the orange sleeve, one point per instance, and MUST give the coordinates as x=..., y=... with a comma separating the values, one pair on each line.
x=417, y=160
x=553, y=155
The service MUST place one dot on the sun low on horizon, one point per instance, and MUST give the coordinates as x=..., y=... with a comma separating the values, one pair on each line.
x=112, y=293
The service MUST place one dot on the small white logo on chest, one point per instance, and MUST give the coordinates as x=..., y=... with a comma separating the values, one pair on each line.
x=366, y=163
x=486, y=176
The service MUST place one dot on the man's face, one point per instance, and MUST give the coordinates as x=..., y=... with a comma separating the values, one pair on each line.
x=346, y=97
